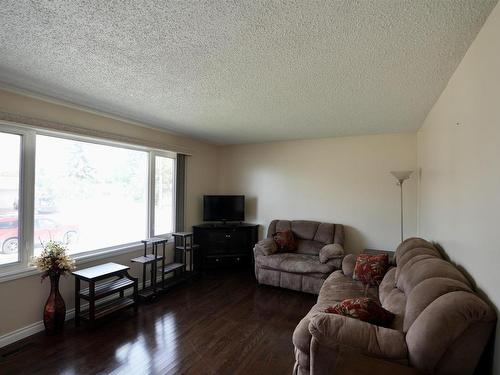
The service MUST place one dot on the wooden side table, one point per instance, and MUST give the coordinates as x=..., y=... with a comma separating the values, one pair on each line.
x=151, y=260
x=183, y=244
x=158, y=266
x=95, y=291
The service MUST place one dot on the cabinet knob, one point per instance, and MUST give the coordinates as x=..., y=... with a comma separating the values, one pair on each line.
x=217, y=259
x=228, y=236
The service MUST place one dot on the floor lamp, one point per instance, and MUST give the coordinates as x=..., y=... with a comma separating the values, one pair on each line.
x=401, y=176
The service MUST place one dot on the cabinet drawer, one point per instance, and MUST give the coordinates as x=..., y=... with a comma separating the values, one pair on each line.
x=225, y=260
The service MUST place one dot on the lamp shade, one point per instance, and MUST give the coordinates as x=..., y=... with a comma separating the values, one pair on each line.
x=401, y=175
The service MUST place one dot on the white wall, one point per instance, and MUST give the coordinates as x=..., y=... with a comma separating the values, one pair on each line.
x=339, y=180
x=460, y=165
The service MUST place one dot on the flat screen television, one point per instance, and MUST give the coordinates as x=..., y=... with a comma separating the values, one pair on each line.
x=223, y=208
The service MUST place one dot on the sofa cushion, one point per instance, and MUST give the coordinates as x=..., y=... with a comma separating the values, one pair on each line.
x=324, y=233
x=424, y=267
x=285, y=241
x=425, y=293
x=408, y=244
x=308, y=247
x=304, y=229
x=363, y=308
x=296, y=263
x=395, y=302
x=410, y=254
x=370, y=269
x=338, y=287
x=281, y=225
x=387, y=284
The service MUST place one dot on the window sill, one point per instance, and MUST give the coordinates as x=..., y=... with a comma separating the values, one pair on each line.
x=19, y=273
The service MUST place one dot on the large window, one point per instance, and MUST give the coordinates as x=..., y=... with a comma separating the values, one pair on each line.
x=10, y=156
x=89, y=196
x=164, y=198
x=92, y=196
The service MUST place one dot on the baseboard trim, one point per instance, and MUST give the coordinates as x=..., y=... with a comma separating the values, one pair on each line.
x=29, y=330
x=33, y=328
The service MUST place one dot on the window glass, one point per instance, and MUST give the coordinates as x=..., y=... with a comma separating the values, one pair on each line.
x=89, y=196
x=10, y=155
x=164, y=202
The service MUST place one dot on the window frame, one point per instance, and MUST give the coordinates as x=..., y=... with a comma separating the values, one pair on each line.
x=26, y=205
x=152, y=185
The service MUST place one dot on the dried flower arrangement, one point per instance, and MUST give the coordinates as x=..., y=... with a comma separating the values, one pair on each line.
x=54, y=260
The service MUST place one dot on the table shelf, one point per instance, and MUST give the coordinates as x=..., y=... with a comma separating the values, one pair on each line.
x=108, y=307
x=107, y=288
x=188, y=247
x=171, y=267
x=146, y=259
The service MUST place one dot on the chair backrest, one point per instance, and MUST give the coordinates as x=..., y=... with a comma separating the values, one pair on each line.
x=311, y=236
x=447, y=325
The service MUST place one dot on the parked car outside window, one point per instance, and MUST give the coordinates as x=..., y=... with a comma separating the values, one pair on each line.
x=46, y=229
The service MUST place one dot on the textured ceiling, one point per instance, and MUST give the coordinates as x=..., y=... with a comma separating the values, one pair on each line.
x=243, y=71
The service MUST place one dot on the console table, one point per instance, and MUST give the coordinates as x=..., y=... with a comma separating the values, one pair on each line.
x=225, y=244
x=121, y=281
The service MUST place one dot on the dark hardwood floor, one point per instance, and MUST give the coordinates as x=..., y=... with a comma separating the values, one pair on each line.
x=221, y=323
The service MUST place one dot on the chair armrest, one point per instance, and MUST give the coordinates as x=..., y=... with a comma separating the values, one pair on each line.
x=331, y=251
x=348, y=264
x=334, y=330
x=265, y=247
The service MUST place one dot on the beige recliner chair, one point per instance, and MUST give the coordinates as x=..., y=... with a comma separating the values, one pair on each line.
x=302, y=269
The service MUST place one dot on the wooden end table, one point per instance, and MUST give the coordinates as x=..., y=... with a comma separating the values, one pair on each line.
x=121, y=281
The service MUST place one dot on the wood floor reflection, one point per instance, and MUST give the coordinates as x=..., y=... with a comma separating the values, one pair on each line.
x=222, y=323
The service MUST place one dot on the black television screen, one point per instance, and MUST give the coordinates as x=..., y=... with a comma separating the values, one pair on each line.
x=224, y=208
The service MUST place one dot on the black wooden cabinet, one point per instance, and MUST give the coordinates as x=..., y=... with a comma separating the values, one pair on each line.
x=225, y=244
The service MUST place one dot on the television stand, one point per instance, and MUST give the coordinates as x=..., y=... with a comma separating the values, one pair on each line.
x=225, y=244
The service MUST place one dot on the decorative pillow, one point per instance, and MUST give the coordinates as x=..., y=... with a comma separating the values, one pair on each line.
x=268, y=246
x=370, y=269
x=330, y=251
x=285, y=241
x=365, y=309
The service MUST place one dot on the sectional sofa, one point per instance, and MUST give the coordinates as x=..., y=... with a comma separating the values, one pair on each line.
x=441, y=327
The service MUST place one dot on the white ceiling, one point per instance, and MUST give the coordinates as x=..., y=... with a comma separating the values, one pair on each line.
x=243, y=71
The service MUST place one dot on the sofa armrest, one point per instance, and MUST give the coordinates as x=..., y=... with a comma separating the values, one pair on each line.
x=331, y=251
x=265, y=247
x=348, y=264
x=332, y=330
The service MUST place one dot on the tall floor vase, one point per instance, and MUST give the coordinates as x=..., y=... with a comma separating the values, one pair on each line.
x=54, y=313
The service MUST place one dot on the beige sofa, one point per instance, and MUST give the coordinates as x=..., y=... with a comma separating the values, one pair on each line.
x=441, y=324
x=300, y=270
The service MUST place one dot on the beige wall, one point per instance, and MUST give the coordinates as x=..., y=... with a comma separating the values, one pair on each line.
x=460, y=165
x=340, y=180
x=22, y=299
x=330, y=179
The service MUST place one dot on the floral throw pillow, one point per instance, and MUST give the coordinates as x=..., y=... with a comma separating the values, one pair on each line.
x=285, y=241
x=365, y=309
x=370, y=269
